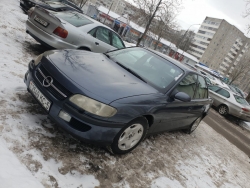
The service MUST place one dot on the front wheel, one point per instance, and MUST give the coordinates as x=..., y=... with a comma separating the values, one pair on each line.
x=130, y=136
x=194, y=125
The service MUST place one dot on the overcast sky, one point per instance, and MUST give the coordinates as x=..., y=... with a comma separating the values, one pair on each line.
x=195, y=11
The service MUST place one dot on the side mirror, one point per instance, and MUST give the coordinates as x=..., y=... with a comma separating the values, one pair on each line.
x=182, y=97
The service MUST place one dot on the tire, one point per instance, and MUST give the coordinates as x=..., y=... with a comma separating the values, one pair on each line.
x=194, y=125
x=130, y=136
x=223, y=110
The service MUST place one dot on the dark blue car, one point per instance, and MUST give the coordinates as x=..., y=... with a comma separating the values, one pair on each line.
x=118, y=98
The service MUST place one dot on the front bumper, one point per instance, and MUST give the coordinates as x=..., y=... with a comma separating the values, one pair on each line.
x=45, y=38
x=81, y=126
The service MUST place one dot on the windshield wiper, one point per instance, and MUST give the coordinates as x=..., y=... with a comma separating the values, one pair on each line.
x=106, y=55
x=131, y=71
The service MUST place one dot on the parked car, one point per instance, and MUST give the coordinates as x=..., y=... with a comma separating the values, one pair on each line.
x=71, y=30
x=237, y=90
x=117, y=98
x=54, y=5
x=229, y=102
x=213, y=80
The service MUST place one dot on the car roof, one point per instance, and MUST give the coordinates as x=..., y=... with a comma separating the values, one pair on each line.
x=229, y=90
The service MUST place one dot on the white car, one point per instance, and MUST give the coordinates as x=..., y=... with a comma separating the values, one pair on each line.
x=71, y=30
x=211, y=80
x=228, y=102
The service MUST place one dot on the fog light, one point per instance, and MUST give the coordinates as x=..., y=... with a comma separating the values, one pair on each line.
x=65, y=116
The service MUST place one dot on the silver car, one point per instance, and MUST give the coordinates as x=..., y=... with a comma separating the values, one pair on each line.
x=71, y=30
x=229, y=102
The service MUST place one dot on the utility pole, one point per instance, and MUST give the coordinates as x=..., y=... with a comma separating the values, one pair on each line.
x=108, y=12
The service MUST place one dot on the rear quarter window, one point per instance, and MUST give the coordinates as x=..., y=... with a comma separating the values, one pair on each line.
x=74, y=18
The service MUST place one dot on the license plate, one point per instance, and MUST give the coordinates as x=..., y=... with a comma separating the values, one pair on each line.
x=39, y=96
x=41, y=21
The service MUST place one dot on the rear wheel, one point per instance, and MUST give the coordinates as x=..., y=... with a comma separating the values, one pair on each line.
x=130, y=136
x=223, y=110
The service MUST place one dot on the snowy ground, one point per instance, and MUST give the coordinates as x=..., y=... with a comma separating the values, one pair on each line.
x=34, y=153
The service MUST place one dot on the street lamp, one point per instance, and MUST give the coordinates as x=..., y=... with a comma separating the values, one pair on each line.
x=183, y=38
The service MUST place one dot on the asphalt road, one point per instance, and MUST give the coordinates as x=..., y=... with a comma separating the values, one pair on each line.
x=228, y=128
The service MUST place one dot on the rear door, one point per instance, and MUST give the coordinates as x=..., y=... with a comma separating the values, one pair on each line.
x=219, y=95
x=101, y=39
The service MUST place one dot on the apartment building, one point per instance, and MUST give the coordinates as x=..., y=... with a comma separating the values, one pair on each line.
x=120, y=7
x=220, y=45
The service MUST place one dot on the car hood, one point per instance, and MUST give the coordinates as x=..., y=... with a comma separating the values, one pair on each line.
x=98, y=74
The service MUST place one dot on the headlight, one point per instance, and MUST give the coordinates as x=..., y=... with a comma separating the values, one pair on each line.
x=38, y=59
x=93, y=106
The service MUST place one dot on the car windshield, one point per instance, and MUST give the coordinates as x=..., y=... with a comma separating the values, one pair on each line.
x=155, y=70
x=73, y=18
x=240, y=100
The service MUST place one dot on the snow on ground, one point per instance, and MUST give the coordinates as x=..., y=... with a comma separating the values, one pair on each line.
x=33, y=152
x=246, y=125
x=11, y=167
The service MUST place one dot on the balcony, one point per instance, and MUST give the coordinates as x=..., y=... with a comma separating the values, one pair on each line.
x=199, y=44
x=224, y=63
x=228, y=59
x=236, y=46
x=196, y=54
x=230, y=55
x=222, y=68
x=233, y=50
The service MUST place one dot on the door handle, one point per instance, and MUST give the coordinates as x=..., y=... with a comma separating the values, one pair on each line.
x=96, y=43
x=190, y=108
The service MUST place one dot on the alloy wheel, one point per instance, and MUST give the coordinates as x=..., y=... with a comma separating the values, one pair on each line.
x=223, y=110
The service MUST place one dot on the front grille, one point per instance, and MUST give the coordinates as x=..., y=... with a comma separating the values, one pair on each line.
x=56, y=89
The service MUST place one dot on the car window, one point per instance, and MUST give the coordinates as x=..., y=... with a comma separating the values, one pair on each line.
x=213, y=88
x=116, y=41
x=103, y=34
x=223, y=92
x=188, y=85
x=73, y=18
x=240, y=100
x=92, y=32
x=201, y=89
x=155, y=70
x=208, y=81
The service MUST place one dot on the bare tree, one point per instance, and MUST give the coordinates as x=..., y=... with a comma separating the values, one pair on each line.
x=186, y=42
x=148, y=10
x=240, y=70
x=247, y=13
x=164, y=24
x=83, y=2
x=80, y=3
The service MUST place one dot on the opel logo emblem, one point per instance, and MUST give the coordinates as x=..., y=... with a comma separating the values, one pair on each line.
x=47, y=81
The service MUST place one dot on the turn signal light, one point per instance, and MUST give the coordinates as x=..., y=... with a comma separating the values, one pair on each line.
x=61, y=32
x=245, y=109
